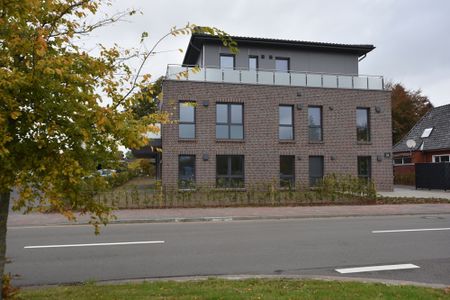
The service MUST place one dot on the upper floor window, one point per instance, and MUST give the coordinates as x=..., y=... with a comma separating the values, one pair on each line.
x=253, y=63
x=287, y=171
x=229, y=121
x=282, y=64
x=230, y=171
x=226, y=61
x=186, y=171
x=364, y=167
x=286, y=122
x=315, y=123
x=186, y=127
x=363, y=124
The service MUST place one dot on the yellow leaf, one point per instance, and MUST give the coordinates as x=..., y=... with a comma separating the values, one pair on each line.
x=15, y=115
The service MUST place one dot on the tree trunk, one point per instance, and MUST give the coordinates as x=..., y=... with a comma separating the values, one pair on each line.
x=4, y=210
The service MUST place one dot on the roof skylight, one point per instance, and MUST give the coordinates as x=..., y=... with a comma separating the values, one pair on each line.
x=426, y=133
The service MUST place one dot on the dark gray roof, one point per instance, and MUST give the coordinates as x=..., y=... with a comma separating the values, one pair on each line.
x=197, y=40
x=437, y=118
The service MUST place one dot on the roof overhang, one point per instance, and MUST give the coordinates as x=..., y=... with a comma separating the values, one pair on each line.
x=198, y=40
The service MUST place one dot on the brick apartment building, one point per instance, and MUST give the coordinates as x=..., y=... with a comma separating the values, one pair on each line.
x=278, y=111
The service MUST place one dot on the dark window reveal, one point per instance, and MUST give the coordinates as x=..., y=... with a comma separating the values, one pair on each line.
x=230, y=171
x=286, y=122
x=282, y=65
x=315, y=123
x=287, y=171
x=364, y=167
x=315, y=170
x=186, y=171
x=226, y=61
x=186, y=128
x=363, y=124
x=229, y=121
x=253, y=63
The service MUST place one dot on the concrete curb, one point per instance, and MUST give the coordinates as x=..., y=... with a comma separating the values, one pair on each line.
x=233, y=218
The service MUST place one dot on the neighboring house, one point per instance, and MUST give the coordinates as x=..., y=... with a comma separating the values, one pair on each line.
x=431, y=137
x=279, y=111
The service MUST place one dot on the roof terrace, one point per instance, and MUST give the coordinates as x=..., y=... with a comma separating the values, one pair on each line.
x=272, y=77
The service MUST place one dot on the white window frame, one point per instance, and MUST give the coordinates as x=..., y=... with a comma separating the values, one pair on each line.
x=426, y=132
x=403, y=161
x=439, y=155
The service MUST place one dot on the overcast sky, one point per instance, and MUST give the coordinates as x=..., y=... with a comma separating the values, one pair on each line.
x=412, y=38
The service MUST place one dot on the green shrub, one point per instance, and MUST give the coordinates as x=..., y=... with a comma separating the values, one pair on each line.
x=333, y=189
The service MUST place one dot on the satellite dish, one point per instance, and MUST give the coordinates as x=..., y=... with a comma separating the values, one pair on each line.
x=410, y=144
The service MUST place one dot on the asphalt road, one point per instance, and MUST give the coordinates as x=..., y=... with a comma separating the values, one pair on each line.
x=287, y=247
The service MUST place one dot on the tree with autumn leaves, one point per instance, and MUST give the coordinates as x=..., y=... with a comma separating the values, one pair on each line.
x=54, y=124
x=408, y=107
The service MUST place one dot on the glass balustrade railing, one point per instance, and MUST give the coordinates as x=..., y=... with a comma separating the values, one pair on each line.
x=292, y=78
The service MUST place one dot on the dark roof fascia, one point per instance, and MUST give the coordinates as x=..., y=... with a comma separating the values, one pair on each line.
x=198, y=40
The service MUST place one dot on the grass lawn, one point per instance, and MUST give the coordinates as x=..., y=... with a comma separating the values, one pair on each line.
x=237, y=289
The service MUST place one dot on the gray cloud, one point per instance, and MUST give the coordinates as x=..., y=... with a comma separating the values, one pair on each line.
x=411, y=36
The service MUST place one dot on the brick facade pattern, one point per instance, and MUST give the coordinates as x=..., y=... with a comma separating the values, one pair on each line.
x=261, y=146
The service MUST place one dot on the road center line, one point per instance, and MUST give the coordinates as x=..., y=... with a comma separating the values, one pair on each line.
x=410, y=230
x=94, y=244
x=377, y=268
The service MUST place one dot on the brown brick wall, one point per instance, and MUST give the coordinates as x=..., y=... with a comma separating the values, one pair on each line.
x=261, y=146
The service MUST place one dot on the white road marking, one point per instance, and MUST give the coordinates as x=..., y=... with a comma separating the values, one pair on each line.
x=94, y=244
x=410, y=230
x=377, y=268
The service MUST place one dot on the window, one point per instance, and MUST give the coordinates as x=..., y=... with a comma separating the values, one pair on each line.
x=186, y=128
x=441, y=158
x=229, y=121
x=315, y=170
x=287, y=171
x=226, y=61
x=426, y=132
x=315, y=123
x=364, y=167
x=282, y=65
x=230, y=171
x=186, y=171
x=363, y=124
x=286, y=122
x=402, y=160
x=253, y=63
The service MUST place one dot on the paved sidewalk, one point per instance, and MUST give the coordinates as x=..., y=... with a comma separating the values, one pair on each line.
x=410, y=191
x=238, y=213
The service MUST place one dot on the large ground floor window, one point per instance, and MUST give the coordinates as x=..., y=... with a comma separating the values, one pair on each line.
x=315, y=170
x=230, y=171
x=287, y=171
x=364, y=167
x=186, y=171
